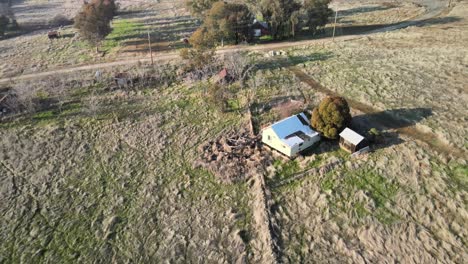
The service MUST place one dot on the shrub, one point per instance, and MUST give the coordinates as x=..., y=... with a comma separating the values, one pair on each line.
x=218, y=96
x=93, y=21
x=331, y=116
x=374, y=135
x=198, y=63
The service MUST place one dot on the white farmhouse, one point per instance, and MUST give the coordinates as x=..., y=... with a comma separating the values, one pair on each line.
x=290, y=136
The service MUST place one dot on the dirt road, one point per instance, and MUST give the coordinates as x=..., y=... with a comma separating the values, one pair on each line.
x=433, y=9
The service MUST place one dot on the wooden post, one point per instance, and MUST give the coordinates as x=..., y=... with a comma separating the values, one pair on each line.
x=151, y=51
x=334, y=25
x=292, y=28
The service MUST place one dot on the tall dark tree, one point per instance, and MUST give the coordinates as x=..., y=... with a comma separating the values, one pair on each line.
x=3, y=24
x=317, y=13
x=7, y=16
x=93, y=21
x=279, y=14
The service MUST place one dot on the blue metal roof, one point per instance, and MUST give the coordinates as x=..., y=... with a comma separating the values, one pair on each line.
x=291, y=125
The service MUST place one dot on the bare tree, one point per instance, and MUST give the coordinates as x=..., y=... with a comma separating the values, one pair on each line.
x=238, y=64
x=27, y=97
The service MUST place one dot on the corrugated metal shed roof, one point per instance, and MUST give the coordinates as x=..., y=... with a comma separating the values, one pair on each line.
x=296, y=123
x=351, y=136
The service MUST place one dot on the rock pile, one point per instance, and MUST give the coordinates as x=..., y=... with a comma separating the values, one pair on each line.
x=234, y=156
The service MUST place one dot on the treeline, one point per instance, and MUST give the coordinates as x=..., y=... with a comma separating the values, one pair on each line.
x=231, y=20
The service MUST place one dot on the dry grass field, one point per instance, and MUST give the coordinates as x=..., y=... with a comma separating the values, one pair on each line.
x=109, y=175
x=31, y=51
x=118, y=183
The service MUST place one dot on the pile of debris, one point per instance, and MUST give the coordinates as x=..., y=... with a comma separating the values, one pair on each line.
x=234, y=156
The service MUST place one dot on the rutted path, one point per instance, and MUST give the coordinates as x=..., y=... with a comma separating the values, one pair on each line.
x=408, y=130
x=265, y=244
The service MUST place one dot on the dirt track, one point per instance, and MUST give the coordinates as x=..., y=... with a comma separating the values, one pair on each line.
x=433, y=9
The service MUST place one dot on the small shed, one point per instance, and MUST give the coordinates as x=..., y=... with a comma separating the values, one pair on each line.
x=260, y=28
x=352, y=141
x=290, y=136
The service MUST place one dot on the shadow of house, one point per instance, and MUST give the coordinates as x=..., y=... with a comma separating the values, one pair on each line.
x=323, y=146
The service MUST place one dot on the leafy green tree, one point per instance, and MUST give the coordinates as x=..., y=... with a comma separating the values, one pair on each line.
x=199, y=7
x=331, y=116
x=317, y=13
x=223, y=21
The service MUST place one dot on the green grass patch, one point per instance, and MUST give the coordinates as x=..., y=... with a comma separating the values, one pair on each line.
x=233, y=104
x=284, y=171
x=459, y=173
x=376, y=186
x=328, y=182
x=266, y=38
x=44, y=115
x=122, y=30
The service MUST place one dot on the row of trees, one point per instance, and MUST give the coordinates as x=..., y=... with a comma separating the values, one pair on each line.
x=230, y=21
x=93, y=21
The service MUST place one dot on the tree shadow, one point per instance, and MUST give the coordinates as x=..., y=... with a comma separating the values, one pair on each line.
x=364, y=9
x=363, y=29
x=389, y=120
x=392, y=119
x=287, y=61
